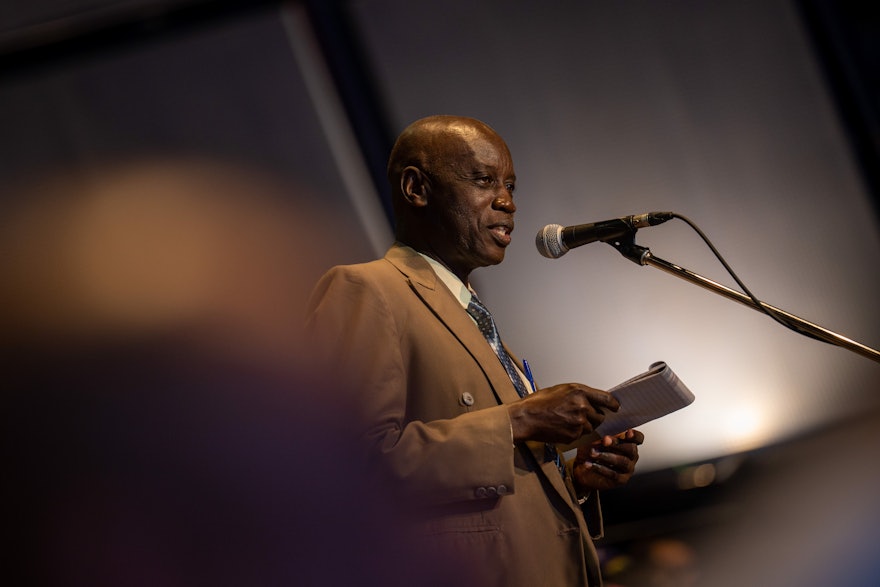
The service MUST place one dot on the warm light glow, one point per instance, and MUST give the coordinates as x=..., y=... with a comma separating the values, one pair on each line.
x=743, y=425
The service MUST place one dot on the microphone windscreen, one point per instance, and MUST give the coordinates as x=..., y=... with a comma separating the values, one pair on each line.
x=549, y=241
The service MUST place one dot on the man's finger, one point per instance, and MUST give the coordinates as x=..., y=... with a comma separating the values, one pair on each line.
x=601, y=399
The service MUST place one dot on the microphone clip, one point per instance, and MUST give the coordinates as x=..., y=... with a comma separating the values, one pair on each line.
x=626, y=246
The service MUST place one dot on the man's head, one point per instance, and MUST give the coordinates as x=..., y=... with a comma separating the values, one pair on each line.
x=452, y=183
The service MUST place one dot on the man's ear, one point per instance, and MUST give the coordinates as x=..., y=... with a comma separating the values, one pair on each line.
x=414, y=186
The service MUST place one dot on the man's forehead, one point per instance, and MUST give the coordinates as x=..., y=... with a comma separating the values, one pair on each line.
x=475, y=146
x=471, y=132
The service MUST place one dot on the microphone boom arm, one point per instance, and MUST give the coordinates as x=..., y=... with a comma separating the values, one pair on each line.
x=643, y=256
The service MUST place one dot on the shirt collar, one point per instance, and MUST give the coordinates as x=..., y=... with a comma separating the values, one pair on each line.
x=455, y=285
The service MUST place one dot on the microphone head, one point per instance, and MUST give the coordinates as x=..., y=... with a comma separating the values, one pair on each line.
x=549, y=241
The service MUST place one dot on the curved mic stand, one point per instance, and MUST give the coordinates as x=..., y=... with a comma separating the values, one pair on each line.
x=643, y=256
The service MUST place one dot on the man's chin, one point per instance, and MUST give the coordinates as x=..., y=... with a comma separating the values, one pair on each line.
x=495, y=258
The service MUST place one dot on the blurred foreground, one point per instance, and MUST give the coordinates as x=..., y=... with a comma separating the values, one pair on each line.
x=163, y=423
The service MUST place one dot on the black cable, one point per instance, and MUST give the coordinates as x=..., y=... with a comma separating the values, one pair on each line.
x=760, y=305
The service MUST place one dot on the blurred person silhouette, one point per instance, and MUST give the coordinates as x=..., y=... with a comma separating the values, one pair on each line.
x=163, y=424
x=448, y=417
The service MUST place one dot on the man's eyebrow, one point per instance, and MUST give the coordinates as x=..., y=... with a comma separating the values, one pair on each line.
x=484, y=168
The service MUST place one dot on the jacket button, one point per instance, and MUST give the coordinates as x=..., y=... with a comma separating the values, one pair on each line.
x=466, y=399
x=502, y=490
x=481, y=492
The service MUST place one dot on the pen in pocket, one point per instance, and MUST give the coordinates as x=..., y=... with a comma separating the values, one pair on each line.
x=528, y=372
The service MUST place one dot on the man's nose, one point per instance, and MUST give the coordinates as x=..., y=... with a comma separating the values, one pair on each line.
x=504, y=202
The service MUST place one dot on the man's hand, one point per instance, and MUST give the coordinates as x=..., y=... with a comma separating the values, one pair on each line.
x=560, y=414
x=608, y=463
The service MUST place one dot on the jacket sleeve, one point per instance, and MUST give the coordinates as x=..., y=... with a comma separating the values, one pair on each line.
x=403, y=373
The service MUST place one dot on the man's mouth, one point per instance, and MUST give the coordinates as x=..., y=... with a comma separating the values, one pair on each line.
x=502, y=233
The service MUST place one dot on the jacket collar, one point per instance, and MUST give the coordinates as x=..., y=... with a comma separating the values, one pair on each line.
x=437, y=297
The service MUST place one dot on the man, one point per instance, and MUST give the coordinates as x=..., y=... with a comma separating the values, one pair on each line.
x=445, y=424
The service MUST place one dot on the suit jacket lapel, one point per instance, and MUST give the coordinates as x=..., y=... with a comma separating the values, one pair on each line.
x=437, y=297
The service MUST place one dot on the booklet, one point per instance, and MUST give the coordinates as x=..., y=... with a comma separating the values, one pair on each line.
x=648, y=396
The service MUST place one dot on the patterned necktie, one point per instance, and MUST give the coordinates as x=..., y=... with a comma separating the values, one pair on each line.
x=484, y=320
x=486, y=323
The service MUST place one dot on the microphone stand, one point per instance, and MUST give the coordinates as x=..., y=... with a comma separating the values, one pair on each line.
x=643, y=256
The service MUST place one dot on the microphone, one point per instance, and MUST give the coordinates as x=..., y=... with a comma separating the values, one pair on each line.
x=553, y=240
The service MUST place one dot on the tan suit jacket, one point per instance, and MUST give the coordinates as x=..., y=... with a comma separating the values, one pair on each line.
x=429, y=389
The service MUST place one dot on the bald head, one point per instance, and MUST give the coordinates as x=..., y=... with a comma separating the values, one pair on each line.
x=427, y=142
x=433, y=145
x=452, y=185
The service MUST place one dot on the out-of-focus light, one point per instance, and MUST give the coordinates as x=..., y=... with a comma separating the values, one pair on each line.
x=697, y=476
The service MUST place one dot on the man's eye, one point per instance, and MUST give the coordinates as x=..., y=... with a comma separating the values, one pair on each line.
x=510, y=187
